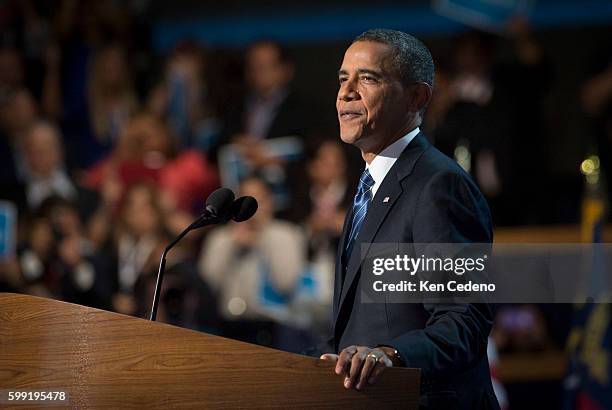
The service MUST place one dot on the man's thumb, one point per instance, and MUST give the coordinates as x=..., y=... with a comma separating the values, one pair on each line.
x=329, y=357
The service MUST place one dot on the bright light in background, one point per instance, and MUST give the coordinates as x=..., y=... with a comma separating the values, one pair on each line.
x=590, y=169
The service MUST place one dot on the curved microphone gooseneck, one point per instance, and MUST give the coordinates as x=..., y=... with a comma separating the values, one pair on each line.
x=220, y=208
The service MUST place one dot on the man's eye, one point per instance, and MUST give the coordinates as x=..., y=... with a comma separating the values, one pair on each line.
x=368, y=78
x=341, y=80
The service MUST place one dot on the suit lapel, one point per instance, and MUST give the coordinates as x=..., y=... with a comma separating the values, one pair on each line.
x=377, y=212
x=339, y=260
x=376, y=215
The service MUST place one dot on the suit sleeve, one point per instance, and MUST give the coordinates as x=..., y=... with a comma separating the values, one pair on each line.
x=450, y=209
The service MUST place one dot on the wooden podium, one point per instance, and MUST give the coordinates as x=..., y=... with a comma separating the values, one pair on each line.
x=104, y=359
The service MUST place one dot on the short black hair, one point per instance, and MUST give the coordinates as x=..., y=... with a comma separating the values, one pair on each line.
x=410, y=56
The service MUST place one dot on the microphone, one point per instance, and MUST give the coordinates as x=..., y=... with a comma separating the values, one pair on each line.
x=244, y=208
x=219, y=209
x=219, y=206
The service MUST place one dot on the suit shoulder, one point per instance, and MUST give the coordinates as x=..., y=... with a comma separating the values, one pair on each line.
x=434, y=163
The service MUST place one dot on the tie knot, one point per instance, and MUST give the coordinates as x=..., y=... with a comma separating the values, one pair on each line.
x=366, y=181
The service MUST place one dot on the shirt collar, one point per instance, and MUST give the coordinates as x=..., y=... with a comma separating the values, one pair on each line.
x=382, y=163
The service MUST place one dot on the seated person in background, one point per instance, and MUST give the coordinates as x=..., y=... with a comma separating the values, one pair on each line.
x=139, y=240
x=57, y=260
x=45, y=175
x=182, y=98
x=270, y=109
x=35, y=259
x=130, y=240
x=81, y=272
x=256, y=133
x=18, y=112
x=254, y=266
x=111, y=100
x=475, y=119
x=146, y=152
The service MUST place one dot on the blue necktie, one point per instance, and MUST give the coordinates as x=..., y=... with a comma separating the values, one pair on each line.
x=360, y=209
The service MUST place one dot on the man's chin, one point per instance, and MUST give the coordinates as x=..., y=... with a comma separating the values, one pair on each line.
x=349, y=138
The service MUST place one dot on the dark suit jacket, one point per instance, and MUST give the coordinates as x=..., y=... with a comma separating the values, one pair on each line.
x=295, y=116
x=431, y=200
x=290, y=119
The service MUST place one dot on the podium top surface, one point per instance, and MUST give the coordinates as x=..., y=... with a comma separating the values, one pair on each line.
x=105, y=359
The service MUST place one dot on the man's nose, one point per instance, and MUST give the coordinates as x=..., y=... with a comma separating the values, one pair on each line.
x=348, y=91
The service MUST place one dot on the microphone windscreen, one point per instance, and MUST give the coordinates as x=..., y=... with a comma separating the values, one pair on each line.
x=220, y=201
x=244, y=208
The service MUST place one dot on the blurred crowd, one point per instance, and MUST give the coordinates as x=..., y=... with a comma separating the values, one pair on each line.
x=108, y=151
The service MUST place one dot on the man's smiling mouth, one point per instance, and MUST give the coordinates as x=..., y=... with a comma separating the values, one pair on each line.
x=347, y=115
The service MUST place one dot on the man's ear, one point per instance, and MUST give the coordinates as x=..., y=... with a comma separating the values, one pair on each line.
x=419, y=97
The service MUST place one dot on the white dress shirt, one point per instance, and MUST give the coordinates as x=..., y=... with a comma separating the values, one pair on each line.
x=38, y=189
x=382, y=163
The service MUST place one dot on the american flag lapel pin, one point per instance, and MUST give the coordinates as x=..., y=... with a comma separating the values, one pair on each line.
x=386, y=199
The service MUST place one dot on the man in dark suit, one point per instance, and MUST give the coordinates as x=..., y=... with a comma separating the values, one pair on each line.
x=268, y=113
x=270, y=109
x=408, y=193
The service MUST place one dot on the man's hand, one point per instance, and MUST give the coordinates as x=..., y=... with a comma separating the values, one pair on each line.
x=360, y=364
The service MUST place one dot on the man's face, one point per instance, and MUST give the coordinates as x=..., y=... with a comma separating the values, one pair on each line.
x=372, y=103
x=265, y=70
x=42, y=151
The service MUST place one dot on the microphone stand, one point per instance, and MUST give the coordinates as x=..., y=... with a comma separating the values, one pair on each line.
x=206, y=219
